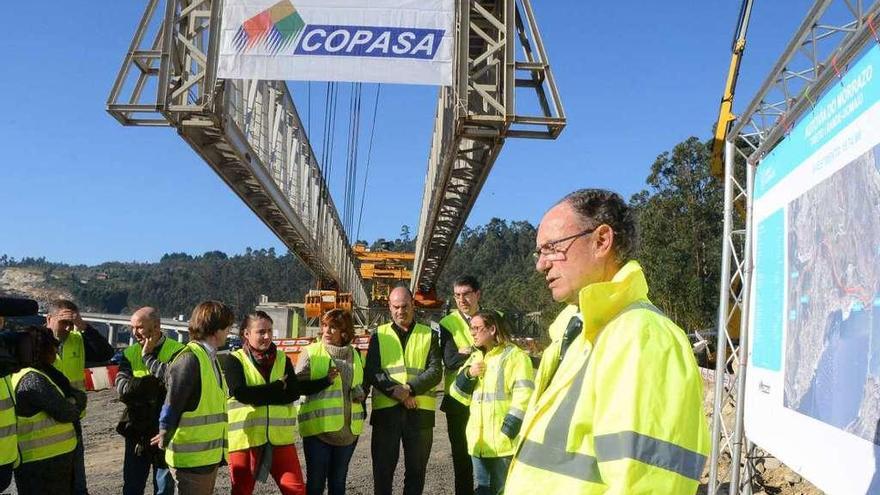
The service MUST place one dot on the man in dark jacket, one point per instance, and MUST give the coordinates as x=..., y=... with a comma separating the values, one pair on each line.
x=79, y=343
x=403, y=402
x=140, y=384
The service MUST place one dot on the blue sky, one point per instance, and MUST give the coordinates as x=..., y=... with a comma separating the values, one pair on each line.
x=635, y=78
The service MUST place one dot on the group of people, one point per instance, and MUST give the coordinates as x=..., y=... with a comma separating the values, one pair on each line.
x=615, y=406
x=41, y=405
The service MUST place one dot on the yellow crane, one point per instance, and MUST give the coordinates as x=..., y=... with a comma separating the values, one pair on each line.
x=725, y=113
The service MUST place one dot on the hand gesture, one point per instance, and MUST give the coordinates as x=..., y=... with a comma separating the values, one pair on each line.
x=477, y=369
x=332, y=373
x=410, y=402
x=150, y=344
x=400, y=393
x=78, y=322
x=158, y=440
x=68, y=315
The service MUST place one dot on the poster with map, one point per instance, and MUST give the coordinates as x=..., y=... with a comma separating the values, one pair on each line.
x=813, y=377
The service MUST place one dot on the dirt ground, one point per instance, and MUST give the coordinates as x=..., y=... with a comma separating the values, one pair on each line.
x=105, y=449
x=104, y=454
x=771, y=476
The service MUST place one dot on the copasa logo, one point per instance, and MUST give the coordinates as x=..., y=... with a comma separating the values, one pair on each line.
x=280, y=26
x=274, y=28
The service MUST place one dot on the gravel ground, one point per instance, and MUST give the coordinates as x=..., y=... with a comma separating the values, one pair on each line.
x=105, y=449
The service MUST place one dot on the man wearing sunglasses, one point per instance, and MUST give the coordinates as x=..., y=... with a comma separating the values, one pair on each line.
x=618, y=397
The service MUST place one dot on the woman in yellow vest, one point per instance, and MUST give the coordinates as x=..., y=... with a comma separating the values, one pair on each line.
x=496, y=382
x=192, y=423
x=262, y=416
x=46, y=407
x=330, y=421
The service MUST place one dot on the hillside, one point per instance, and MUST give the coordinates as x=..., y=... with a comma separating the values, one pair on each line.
x=680, y=225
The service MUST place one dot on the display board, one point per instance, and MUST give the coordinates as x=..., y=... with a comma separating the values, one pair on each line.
x=386, y=41
x=813, y=377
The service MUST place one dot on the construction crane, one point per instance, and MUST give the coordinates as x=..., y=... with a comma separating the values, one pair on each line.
x=725, y=121
x=725, y=113
x=250, y=134
x=383, y=269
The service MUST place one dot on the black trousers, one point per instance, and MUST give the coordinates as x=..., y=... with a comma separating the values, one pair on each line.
x=5, y=476
x=52, y=476
x=385, y=449
x=456, y=427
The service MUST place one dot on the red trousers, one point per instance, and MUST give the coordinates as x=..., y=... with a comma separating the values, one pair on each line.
x=285, y=470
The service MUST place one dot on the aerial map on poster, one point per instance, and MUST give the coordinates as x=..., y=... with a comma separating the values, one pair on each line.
x=813, y=379
x=833, y=349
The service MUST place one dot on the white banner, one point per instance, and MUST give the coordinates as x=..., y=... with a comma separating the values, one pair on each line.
x=389, y=41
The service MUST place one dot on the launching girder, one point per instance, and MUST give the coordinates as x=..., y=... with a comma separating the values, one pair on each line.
x=249, y=132
x=475, y=116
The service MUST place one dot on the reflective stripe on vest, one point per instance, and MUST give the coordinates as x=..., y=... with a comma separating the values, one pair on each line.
x=498, y=396
x=71, y=359
x=324, y=412
x=8, y=440
x=404, y=366
x=461, y=334
x=133, y=354
x=551, y=454
x=200, y=437
x=253, y=426
x=39, y=436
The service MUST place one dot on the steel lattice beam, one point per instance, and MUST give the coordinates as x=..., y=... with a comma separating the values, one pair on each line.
x=476, y=115
x=249, y=132
x=833, y=33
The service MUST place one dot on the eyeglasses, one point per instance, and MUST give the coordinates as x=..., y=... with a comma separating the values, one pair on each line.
x=551, y=252
x=462, y=295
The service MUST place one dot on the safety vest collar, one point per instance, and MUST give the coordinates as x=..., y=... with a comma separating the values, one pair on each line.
x=574, y=364
x=601, y=302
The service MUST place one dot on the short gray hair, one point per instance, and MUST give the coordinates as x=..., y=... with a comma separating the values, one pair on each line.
x=600, y=206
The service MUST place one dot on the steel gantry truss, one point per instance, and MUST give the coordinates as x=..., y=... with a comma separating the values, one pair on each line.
x=499, y=49
x=833, y=33
x=249, y=132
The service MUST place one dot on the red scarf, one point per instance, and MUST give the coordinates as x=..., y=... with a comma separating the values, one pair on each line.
x=263, y=360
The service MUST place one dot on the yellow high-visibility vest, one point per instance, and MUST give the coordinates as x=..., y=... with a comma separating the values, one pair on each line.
x=40, y=436
x=461, y=333
x=71, y=359
x=502, y=392
x=133, y=354
x=324, y=411
x=200, y=437
x=402, y=367
x=623, y=409
x=8, y=438
x=253, y=426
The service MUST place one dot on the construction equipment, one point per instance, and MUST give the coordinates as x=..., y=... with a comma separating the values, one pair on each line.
x=725, y=113
x=250, y=133
x=384, y=269
x=320, y=301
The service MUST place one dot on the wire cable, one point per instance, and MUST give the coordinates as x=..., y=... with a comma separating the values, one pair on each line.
x=369, y=157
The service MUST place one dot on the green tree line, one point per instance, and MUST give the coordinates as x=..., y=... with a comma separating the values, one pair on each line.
x=680, y=224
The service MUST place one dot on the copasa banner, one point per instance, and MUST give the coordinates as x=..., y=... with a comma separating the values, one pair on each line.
x=388, y=41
